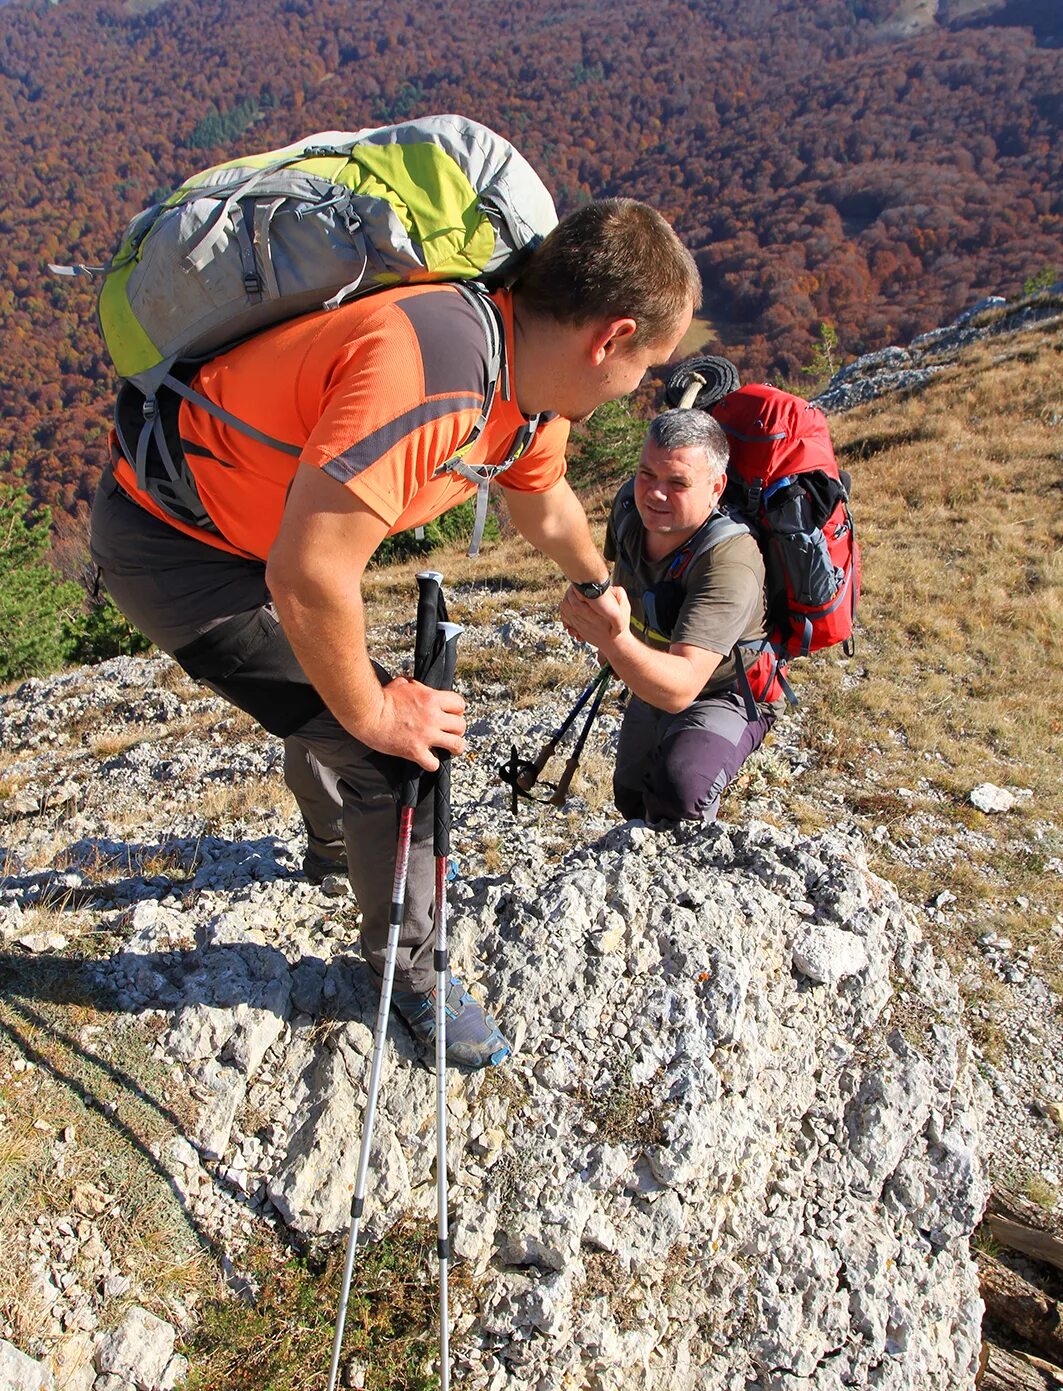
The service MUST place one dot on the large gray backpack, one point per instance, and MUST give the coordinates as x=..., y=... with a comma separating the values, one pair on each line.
x=266, y=237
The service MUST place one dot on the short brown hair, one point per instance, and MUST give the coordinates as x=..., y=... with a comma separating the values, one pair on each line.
x=613, y=259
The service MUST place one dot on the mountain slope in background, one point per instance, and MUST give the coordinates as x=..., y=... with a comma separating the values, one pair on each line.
x=822, y=165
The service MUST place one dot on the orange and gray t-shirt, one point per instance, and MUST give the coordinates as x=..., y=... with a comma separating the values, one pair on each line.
x=379, y=393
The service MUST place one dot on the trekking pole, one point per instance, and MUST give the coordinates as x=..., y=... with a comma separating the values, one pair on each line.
x=528, y=773
x=560, y=793
x=441, y=846
x=427, y=609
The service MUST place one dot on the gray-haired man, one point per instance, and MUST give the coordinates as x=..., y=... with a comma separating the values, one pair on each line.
x=689, y=585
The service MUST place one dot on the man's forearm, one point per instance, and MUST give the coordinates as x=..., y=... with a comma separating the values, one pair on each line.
x=661, y=679
x=327, y=634
x=555, y=523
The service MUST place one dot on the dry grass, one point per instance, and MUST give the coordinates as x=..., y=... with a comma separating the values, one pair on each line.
x=225, y=804
x=958, y=495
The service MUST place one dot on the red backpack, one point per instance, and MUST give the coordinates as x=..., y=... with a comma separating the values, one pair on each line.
x=784, y=482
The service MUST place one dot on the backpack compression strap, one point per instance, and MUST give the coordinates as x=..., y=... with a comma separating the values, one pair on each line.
x=497, y=376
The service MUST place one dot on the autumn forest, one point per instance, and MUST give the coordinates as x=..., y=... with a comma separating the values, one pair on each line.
x=848, y=162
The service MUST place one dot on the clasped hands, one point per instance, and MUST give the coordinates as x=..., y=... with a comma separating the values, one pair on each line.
x=596, y=621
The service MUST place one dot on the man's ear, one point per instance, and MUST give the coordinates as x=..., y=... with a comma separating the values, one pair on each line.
x=718, y=488
x=610, y=336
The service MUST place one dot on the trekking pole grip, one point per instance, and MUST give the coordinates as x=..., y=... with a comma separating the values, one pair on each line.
x=429, y=594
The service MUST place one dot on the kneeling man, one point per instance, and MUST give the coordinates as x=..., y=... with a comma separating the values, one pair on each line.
x=689, y=587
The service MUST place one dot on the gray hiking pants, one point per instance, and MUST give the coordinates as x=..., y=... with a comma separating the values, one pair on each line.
x=211, y=612
x=675, y=767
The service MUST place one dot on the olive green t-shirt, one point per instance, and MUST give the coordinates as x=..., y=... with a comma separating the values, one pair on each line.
x=719, y=603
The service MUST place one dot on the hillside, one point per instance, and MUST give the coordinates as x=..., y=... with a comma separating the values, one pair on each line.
x=877, y=166
x=763, y=1077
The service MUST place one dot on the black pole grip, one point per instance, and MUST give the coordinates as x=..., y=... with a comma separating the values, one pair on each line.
x=428, y=597
x=429, y=593
x=441, y=808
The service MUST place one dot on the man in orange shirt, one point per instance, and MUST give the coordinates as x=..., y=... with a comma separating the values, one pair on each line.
x=262, y=599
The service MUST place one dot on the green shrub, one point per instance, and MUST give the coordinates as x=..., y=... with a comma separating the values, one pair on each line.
x=103, y=631
x=36, y=606
x=605, y=449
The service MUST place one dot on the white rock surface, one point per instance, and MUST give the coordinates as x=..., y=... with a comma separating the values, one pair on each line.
x=739, y=1143
x=988, y=798
x=138, y=1351
x=21, y=1373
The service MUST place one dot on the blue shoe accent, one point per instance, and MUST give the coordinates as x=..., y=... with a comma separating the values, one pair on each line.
x=474, y=1039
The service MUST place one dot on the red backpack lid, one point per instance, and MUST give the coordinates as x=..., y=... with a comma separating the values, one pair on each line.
x=774, y=434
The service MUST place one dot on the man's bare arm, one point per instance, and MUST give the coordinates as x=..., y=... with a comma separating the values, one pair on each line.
x=556, y=524
x=666, y=680
x=314, y=575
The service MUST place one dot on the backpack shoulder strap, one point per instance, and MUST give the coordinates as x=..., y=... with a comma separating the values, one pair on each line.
x=483, y=475
x=624, y=521
x=720, y=526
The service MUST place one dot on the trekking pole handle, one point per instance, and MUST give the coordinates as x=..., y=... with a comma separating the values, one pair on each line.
x=429, y=589
x=428, y=594
x=559, y=796
x=531, y=770
x=560, y=793
x=691, y=391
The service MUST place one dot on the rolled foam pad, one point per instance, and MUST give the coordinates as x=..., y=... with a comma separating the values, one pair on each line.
x=721, y=378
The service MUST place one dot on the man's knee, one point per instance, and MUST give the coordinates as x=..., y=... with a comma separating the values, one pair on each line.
x=689, y=776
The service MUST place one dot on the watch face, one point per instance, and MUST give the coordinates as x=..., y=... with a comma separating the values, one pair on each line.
x=593, y=589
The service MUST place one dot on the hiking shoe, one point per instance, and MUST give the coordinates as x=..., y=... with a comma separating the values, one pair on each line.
x=473, y=1038
x=317, y=868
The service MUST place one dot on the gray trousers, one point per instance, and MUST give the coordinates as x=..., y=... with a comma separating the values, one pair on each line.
x=675, y=767
x=211, y=611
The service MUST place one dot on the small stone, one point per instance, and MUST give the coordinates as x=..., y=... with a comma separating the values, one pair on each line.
x=40, y=942
x=139, y=1349
x=21, y=1373
x=827, y=954
x=991, y=799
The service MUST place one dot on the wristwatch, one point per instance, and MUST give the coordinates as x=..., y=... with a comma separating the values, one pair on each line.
x=593, y=589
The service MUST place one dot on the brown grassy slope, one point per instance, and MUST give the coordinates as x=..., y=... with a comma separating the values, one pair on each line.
x=959, y=500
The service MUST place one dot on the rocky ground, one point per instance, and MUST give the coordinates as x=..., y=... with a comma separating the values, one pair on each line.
x=743, y=1108
x=751, y=1116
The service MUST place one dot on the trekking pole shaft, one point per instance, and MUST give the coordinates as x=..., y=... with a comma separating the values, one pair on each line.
x=398, y=903
x=441, y=846
x=530, y=771
x=560, y=793
x=423, y=640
